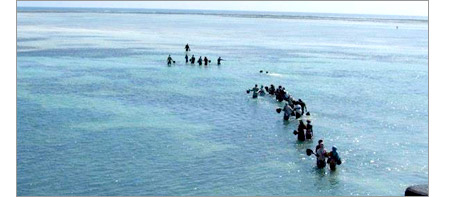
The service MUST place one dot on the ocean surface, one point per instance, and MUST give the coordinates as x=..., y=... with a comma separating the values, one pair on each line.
x=99, y=112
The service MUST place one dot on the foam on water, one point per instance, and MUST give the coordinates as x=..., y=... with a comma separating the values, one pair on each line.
x=100, y=113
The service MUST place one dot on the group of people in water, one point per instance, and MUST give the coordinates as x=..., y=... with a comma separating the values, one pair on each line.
x=304, y=131
x=323, y=157
x=192, y=59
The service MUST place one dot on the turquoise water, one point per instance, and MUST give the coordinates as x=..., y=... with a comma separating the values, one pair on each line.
x=100, y=113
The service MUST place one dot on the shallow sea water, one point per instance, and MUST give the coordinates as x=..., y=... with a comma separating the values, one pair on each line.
x=100, y=113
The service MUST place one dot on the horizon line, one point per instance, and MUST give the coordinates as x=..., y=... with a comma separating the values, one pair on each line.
x=219, y=10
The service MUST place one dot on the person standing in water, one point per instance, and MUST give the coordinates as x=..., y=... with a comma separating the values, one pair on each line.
x=278, y=93
x=271, y=90
x=297, y=109
x=300, y=131
x=261, y=91
x=309, y=133
x=170, y=60
x=205, y=61
x=283, y=94
x=321, y=156
x=186, y=58
x=192, y=59
x=218, y=60
x=319, y=143
x=255, y=91
x=334, y=158
x=187, y=48
x=200, y=61
x=302, y=104
x=287, y=111
x=290, y=100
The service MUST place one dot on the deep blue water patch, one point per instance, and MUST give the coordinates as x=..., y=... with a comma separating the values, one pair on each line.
x=30, y=39
x=19, y=47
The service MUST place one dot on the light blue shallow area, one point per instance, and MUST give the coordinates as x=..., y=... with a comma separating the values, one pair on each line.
x=100, y=113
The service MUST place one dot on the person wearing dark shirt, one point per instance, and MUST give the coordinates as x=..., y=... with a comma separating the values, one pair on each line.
x=192, y=59
x=300, y=131
x=200, y=61
x=309, y=129
x=218, y=60
x=187, y=48
x=205, y=61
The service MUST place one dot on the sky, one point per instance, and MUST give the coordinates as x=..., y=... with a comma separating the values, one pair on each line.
x=410, y=8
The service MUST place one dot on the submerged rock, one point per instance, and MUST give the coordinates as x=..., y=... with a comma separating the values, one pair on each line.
x=417, y=190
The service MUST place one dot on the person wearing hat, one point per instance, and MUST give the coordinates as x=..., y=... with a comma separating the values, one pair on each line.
x=334, y=158
x=309, y=130
x=300, y=131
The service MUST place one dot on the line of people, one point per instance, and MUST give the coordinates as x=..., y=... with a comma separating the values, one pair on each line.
x=192, y=59
x=200, y=61
x=304, y=132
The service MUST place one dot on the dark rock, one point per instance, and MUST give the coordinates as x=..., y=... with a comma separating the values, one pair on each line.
x=417, y=190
